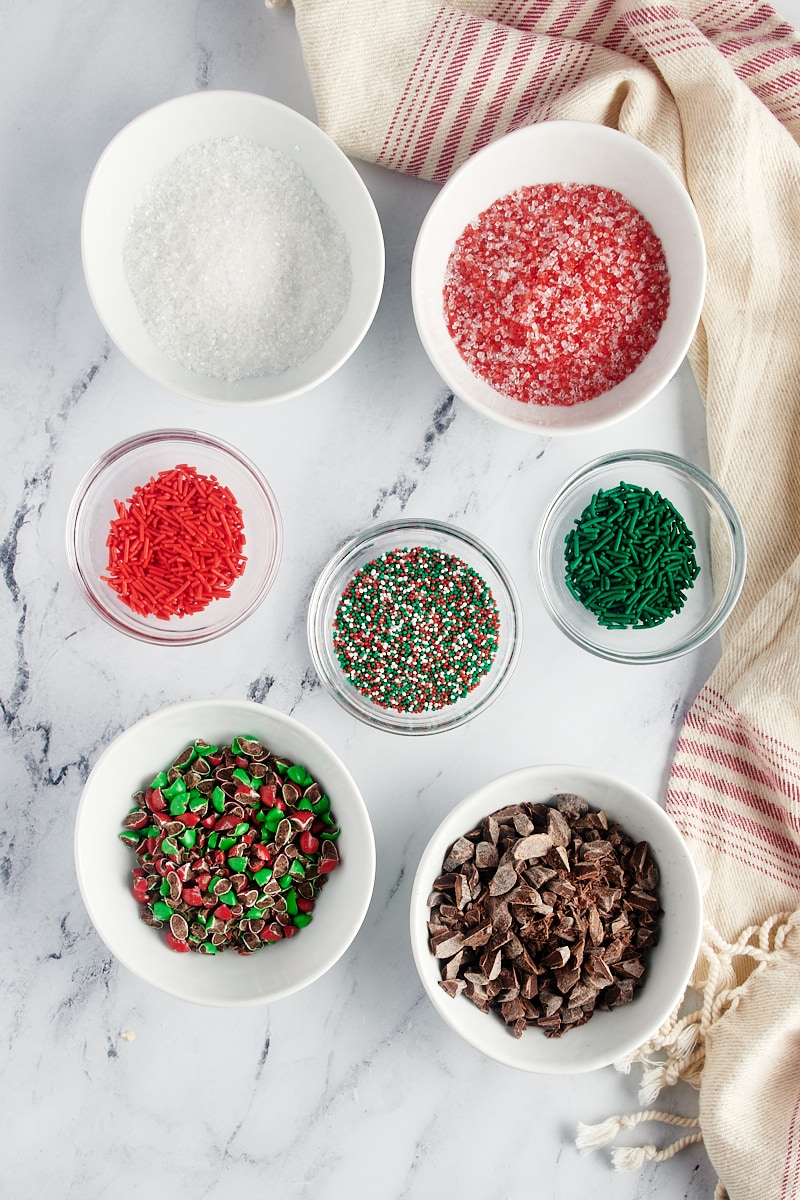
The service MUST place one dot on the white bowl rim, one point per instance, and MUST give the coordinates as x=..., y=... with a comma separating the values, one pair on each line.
x=477, y=163
x=205, y=96
x=480, y=801
x=257, y=710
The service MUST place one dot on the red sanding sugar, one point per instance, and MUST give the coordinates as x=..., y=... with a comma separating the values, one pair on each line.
x=556, y=292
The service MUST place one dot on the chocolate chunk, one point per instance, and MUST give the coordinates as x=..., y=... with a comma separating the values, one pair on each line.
x=461, y=851
x=543, y=913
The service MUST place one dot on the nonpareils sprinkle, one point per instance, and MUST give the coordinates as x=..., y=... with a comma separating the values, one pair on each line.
x=233, y=845
x=630, y=558
x=416, y=629
x=556, y=292
x=176, y=544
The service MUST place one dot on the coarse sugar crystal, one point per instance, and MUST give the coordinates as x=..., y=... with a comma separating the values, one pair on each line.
x=556, y=292
x=236, y=265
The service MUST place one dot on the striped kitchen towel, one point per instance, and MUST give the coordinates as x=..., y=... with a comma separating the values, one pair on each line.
x=714, y=88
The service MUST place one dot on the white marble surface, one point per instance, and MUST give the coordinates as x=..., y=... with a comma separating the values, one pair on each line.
x=354, y=1087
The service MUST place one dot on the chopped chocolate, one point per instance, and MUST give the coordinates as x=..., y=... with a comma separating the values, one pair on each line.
x=545, y=913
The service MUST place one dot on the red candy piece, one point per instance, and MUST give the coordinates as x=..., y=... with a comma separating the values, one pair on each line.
x=289, y=930
x=304, y=905
x=223, y=912
x=140, y=890
x=327, y=865
x=154, y=800
x=308, y=843
x=226, y=822
x=193, y=896
x=176, y=945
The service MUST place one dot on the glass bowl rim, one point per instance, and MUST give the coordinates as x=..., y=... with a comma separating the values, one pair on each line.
x=385, y=719
x=83, y=494
x=709, y=487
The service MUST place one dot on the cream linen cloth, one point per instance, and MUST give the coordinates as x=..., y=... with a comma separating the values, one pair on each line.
x=714, y=89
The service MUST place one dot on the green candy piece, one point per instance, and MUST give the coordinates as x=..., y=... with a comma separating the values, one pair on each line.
x=210, y=948
x=161, y=780
x=214, y=880
x=286, y=881
x=197, y=801
x=169, y=847
x=291, y=902
x=177, y=788
x=301, y=919
x=326, y=819
x=218, y=799
x=228, y=898
x=225, y=843
x=213, y=838
x=237, y=864
x=162, y=911
x=150, y=831
x=329, y=835
x=305, y=804
x=203, y=750
x=298, y=774
x=188, y=838
x=178, y=806
x=130, y=837
x=254, y=914
x=281, y=768
x=297, y=868
x=164, y=888
x=241, y=828
x=263, y=876
x=322, y=806
x=273, y=819
x=240, y=774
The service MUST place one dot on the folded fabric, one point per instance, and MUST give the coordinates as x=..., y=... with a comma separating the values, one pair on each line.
x=714, y=88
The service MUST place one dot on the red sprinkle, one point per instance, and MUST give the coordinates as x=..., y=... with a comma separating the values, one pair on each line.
x=556, y=292
x=175, y=545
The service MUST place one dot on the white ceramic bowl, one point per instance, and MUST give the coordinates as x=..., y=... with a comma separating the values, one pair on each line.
x=154, y=140
x=606, y=1036
x=562, y=152
x=104, y=863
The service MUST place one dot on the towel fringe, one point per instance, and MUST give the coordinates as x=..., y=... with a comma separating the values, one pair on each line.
x=677, y=1051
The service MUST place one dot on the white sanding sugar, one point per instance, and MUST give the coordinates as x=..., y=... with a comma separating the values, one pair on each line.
x=236, y=265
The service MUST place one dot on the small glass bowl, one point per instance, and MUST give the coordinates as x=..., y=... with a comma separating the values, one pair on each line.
x=720, y=554
x=131, y=464
x=394, y=535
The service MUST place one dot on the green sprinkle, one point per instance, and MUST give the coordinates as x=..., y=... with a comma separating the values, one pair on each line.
x=647, y=562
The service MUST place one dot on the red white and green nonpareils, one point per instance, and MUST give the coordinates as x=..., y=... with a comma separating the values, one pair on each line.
x=416, y=629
